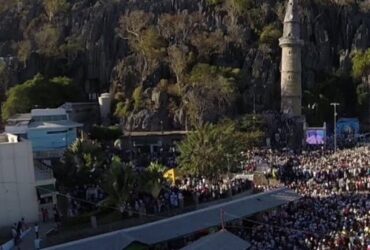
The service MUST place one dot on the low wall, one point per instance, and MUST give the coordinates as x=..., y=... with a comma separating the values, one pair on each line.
x=10, y=244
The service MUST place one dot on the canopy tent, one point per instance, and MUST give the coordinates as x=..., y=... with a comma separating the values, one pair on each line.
x=222, y=240
x=185, y=224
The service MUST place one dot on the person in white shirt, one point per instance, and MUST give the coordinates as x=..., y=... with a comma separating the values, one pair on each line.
x=36, y=228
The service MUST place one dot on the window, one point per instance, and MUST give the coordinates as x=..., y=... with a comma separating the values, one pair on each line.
x=48, y=118
x=57, y=132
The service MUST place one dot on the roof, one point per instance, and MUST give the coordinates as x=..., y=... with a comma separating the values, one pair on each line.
x=222, y=240
x=20, y=117
x=185, y=224
x=71, y=105
x=54, y=124
x=47, y=112
x=154, y=133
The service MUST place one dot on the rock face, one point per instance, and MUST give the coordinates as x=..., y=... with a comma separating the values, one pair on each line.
x=331, y=33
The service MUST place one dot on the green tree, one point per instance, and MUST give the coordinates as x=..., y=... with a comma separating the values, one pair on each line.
x=47, y=40
x=53, y=7
x=119, y=182
x=24, y=51
x=178, y=28
x=83, y=163
x=238, y=7
x=41, y=92
x=137, y=96
x=209, y=43
x=211, y=92
x=123, y=109
x=152, y=180
x=361, y=63
x=180, y=59
x=213, y=150
x=72, y=46
x=144, y=39
x=251, y=122
x=361, y=70
x=270, y=35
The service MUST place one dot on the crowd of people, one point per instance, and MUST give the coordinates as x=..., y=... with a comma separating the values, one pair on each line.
x=189, y=191
x=334, y=211
x=82, y=199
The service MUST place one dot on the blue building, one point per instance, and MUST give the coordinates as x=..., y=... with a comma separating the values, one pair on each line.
x=49, y=130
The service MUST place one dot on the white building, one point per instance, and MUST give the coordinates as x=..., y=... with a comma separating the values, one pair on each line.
x=18, y=197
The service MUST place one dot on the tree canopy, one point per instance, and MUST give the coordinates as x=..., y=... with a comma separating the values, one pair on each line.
x=53, y=7
x=211, y=92
x=83, y=163
x=39, y=92
x=361, y=63
x=213, y=150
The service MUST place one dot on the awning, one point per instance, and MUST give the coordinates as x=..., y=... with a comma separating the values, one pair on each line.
x=185, y=224
x=222, y=240
x=45, y=190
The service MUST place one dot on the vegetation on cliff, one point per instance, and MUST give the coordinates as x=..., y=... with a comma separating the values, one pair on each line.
x=181, y=62
x=39, y=92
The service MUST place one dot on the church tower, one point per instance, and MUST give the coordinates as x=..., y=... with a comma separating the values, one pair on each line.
x=291, y=65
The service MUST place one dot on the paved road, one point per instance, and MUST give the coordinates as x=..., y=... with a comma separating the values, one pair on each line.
x=28, y=241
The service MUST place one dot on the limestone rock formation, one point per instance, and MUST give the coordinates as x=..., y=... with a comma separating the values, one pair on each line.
x=92, y=53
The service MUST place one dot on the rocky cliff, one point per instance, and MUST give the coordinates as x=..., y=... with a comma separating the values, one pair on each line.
x=85, y=42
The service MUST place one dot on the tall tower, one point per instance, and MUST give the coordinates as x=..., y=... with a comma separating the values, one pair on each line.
x=291, y=65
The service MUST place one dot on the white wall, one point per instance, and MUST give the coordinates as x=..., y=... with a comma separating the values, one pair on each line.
x=18, y=196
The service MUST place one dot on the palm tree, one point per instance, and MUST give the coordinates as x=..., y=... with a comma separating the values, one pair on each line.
x=119, y=182
x=152, y=180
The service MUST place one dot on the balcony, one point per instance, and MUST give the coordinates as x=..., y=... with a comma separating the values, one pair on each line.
x=50, y=154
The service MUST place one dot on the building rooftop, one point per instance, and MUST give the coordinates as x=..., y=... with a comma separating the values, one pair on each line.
x=78, y=104
x=154, y=133
x=47, y=112
x=54, y=124
x=21, y=117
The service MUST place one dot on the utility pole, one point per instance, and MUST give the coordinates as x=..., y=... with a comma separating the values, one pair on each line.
x=335, y=104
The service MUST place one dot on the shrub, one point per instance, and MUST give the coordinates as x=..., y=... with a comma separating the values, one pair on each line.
x=361, y=63
x=137, y=96
x=270, y=35
x=122, y=109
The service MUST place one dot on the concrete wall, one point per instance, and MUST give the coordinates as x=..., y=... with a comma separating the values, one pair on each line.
x=18, y=196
